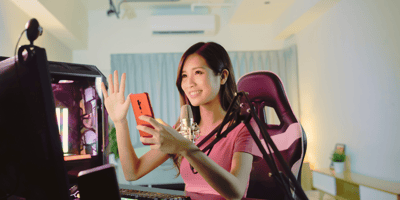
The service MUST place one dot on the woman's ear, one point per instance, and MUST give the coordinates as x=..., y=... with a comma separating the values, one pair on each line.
x=224, y=76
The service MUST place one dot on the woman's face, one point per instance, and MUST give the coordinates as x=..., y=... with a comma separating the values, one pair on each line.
x=199, y=83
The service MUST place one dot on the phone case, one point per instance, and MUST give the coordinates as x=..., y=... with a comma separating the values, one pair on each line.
x=141, y=106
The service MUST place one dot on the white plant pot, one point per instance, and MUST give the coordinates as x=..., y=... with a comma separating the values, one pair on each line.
x=112, y=160
x=338, y=166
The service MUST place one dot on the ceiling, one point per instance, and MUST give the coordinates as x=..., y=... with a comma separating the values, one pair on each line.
x=246, y=11
x=68, y=20
x=104, y=4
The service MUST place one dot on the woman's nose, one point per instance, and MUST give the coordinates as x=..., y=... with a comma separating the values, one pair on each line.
x=189, y=82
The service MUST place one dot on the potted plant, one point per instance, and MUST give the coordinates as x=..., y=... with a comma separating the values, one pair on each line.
x=112, y=146
x=338, y=161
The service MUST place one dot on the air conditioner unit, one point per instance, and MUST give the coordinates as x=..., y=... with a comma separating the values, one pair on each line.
x=183, y=24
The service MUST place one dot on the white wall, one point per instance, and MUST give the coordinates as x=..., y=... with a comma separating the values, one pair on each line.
x=109, y=35
x=12, y=23
x=349, y=73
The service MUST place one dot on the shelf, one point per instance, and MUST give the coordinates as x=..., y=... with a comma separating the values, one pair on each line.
x=358, y=179
x=77, y=157
x=348, y=185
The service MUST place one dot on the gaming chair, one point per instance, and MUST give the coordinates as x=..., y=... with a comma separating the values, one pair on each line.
x=265, y=88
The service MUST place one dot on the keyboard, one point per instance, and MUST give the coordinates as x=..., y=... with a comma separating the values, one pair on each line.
x=145, y=195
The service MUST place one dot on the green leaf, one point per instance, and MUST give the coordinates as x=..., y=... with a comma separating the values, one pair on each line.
x=336, y=157
x=112, y=138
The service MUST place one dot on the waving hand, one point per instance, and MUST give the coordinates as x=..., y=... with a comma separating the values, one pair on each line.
x=116, y=104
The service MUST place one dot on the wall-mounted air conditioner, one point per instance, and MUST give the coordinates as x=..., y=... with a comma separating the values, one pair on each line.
x=183, y=24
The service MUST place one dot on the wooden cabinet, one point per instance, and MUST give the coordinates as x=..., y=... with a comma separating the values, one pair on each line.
x=349, y=185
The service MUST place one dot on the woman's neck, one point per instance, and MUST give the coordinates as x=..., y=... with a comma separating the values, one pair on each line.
x=211, y=114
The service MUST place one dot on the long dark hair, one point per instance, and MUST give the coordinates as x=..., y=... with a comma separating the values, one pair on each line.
x=217, y=59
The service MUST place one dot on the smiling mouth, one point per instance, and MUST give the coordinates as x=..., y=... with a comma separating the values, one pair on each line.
x=194, y=93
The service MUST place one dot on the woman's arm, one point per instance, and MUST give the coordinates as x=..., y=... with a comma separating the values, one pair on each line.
x=133, y=167
x=117, y=107
x=230, y=185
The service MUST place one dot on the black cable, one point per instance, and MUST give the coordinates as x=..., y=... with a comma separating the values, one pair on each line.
x=16, y=47
x=119, y=7
x=113, y=10
x=217, y=131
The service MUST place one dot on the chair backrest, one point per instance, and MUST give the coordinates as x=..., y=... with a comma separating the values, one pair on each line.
x=265, y=88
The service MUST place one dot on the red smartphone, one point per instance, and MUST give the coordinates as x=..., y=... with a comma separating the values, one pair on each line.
x=141, y=106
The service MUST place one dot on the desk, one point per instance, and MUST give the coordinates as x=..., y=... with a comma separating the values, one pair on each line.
x=199, y=196
x=349, y=185
x=193, y=195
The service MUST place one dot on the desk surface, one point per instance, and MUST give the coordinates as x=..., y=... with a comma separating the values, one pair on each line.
x=358, y=179
x=193, y=195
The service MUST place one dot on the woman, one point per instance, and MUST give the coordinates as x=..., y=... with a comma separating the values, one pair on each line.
x=206, y=80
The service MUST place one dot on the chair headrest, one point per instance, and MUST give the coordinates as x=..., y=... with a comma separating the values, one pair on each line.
x=265, y=88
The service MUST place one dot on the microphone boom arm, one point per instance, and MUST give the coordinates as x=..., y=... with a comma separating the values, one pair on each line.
x=246, y=113
x=267, y=138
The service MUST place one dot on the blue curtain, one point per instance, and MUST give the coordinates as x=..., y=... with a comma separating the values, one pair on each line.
x=156, y=75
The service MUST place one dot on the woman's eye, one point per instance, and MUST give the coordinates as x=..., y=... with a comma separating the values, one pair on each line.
x=184, y=75
x=199, y=72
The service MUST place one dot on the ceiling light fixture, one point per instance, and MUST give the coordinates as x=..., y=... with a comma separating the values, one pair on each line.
x=113, y=10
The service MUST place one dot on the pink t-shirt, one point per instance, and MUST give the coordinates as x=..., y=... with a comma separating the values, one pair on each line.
x=238, y=140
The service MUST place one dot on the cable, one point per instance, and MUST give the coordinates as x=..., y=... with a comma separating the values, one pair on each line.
x=16, y=47
x=113, y=10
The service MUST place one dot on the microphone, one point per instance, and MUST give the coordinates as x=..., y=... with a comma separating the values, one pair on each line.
x=188, y=128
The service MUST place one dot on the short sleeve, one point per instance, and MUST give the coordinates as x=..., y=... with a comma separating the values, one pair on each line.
x=244, y=142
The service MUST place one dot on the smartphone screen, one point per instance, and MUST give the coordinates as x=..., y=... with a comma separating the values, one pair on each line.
x=141, y=106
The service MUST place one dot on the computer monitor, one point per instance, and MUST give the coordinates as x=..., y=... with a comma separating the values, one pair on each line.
x=81, y=115
x=32, y=162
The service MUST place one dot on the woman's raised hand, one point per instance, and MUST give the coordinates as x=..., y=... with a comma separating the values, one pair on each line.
x=116, y=104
